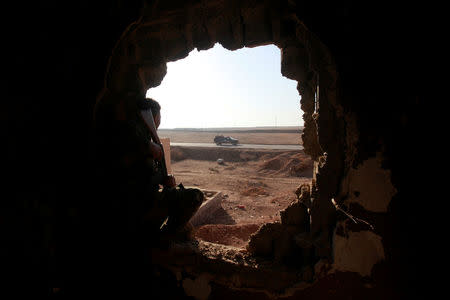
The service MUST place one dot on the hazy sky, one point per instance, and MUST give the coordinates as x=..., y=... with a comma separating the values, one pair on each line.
x=222, y=88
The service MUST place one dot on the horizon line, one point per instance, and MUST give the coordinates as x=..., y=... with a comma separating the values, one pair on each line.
x=234, y=127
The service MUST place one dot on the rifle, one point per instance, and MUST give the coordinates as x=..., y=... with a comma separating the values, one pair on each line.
x=150, y=122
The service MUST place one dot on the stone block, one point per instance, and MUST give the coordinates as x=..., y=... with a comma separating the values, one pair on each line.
x=261, y=242
x=295, y=214
x=285, y=250
x=212, y=203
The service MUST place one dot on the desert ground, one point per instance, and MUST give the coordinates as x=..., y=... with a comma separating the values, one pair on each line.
x=254, y=184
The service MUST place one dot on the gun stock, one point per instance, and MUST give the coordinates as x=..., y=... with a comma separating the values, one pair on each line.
x=150, y=122
x=163, y=162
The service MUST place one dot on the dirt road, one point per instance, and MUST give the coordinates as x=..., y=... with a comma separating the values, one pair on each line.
x=246, y=146
x=275, y=136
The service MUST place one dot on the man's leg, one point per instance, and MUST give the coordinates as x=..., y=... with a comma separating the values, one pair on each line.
x=156, y=212
x=182, y=205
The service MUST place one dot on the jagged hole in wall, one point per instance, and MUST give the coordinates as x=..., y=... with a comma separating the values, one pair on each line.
x=235, y=127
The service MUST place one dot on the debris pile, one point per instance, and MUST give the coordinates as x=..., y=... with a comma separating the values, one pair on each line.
x=287, y=241
x=254, y=189
x=287, y=164
x=236, y=235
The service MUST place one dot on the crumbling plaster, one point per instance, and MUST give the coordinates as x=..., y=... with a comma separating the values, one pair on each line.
x=356, y=251
x=369, y=185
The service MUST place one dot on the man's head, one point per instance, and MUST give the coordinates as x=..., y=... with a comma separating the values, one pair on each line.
x=153, y=105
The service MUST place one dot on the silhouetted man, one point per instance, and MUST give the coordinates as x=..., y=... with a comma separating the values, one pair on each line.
x=137, y=205
x=132, y=162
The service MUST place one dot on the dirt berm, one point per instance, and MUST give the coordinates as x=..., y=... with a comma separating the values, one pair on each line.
x=270, y=162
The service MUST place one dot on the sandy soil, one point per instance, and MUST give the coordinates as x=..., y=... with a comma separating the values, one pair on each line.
x=256, y=185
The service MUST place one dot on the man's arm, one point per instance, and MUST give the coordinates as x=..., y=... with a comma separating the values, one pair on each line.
x=147, y=116
x=155, y=151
